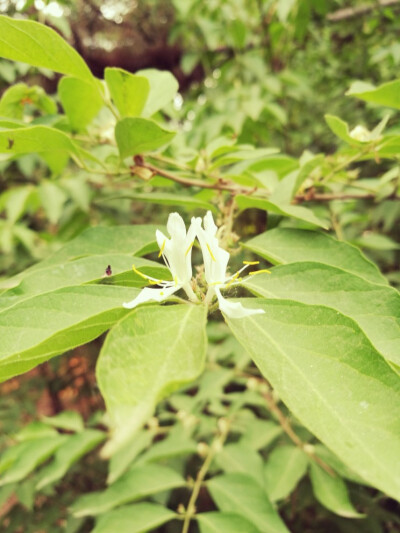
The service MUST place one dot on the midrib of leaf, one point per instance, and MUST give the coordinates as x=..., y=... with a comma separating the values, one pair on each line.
x=336, y=415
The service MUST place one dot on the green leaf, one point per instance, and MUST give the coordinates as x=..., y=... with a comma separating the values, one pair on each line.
x=120, y=461
x=237, y=457
x=329, y=375
x=69, y=453
x=137, y=518
x=188, y=202
x=40, y=139
x=35, y=430
x=163, y=88
x=287, y=210
x=52, y=198
x=14, y=99
x=46, y=325
x=284, y=468
x=137, y=483
x=341, y=129
x=148, y=355
x=67, y=420
x=286, y=245
x=215, y=522
x=31, y=453
x=40, y=46
x=128, y=91
x=332, y=493
x=81, y=101
x=239, y=493
x=375, y=307
x=387, y=94
x=175, y=444
x=138, y=135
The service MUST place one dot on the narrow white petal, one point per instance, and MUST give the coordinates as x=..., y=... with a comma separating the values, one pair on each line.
x=235, y=309
x=151, y=295
x=176, y=226
x=161, y=238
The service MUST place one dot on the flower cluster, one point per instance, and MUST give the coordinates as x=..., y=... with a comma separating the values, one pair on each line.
x=177, y=254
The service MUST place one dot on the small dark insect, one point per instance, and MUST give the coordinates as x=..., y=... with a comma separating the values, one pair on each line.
x=108, y=271
x=10, y=144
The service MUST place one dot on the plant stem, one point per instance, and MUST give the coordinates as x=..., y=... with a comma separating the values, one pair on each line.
x=216, y=445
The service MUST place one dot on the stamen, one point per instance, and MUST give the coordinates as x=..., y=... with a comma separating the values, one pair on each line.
x=251, y=262
x=189, y=248
x=234, y=278
x=209, y=249
x=259, y=272
x=162, y=248
x=175, y=281
x=147, y=278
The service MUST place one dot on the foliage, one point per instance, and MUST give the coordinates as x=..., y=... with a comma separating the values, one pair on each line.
x=284, y=419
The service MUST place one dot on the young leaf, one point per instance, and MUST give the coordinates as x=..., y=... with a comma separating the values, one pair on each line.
x=163, y=88
x=237, y=457
x=287, y=210
x=139, y=135
x=81, y=101
x=332, y=493
x=31, y=454
x=121, y=461
x=69, y=453
x=68, y=420
x=329, y=375
x=284, y=468
x=148, y=355
x=40, y=46
x=239, y=493
x=216, y=522
x=287, y=245
x=139, y=482
x=341, y=129
x=136, y=518
x=375, y=308
x=128, y=91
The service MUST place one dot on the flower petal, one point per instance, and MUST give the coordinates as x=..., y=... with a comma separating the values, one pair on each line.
x=235, y=309
x=151, y=295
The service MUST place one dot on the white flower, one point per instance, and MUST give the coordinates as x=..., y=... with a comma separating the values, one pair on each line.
x=177, y=254
x=361, y=134
x=215, y=264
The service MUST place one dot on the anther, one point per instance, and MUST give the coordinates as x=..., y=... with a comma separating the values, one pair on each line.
x=251, y=262
x=259, y=272
x=189, y=248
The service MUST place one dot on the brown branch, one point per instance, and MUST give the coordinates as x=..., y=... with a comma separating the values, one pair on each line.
x=352, y=12
x=287, y=428
x=327, y=197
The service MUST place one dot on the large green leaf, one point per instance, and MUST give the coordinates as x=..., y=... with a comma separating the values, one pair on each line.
x=237, y=457
x=98, y=241
x=387, y=94
x=239, y=493
x=48, y=324
x=286, y=245
x=148, y=355
x=333, y=380
x=137, y=518
x=285, y=209
x=40, y=46
x=128, y=91
x=139, y=135
x=81, y=101
x=79, y=271
x=137, y=483
x=375, y=307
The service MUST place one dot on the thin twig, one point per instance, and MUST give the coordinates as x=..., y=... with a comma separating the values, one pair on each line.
x=214, y=448
x=287, y=428
x=352, y=12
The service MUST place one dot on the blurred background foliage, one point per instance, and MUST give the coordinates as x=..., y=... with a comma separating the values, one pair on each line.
x=255, y=72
